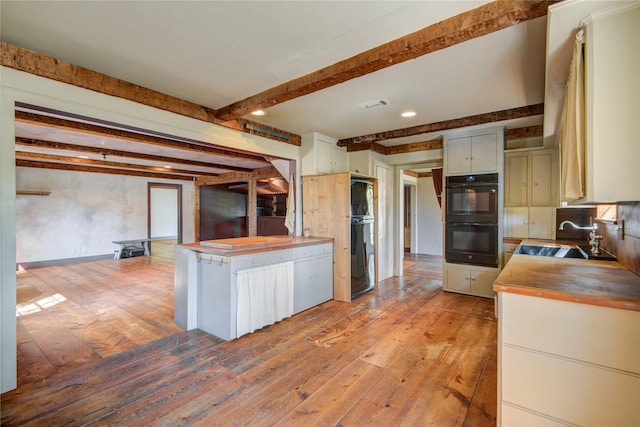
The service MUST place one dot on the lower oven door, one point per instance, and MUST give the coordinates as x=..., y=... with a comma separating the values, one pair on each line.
x=471, y=243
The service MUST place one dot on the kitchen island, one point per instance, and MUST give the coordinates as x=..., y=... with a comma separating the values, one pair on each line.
x=569, y=342
x=230, y=287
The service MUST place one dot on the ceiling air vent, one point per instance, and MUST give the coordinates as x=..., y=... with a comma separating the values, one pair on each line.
x=374, y=104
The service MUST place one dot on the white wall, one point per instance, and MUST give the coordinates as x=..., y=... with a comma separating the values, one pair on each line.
x=428, y=221
x=164, y=212
x=84, y=213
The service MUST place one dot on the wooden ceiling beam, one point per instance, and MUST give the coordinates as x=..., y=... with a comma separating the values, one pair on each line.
x=92, y=169
x=91, y=129
x=23, y=155
x=125, y=154
x=468, y=25
x=433, y=144
x=478, y=119
x=521, y=133
x=32, y=62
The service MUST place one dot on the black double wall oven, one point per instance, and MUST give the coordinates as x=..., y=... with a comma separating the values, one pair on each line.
x=471, y=219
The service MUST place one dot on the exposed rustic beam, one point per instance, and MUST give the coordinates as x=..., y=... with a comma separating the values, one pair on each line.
x=92, y=169
x=468, y=25
x=23, y=155
x=425, y=174
x=42, y=65
x=225, y=178
x=521, y=133
x=410, y=173
x=134, y=137
x=118, y=153
x=478, y=119
x=433, y=144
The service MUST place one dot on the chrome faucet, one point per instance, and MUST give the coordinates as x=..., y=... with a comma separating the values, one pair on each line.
x=594, y=238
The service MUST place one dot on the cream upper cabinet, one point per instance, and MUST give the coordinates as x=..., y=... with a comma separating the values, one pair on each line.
x=530, y=178
x=530, y=194
x=321, y=155
x=472, y=154
x=612, y=67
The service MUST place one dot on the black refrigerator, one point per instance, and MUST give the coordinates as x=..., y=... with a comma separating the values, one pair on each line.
x=362, y=237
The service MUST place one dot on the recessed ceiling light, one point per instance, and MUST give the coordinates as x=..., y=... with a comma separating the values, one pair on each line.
x=167, y=166
x=83, y=157
x=258, y=113
x=408, y=114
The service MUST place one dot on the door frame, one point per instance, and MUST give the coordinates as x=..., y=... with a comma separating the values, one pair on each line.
x=178, y=188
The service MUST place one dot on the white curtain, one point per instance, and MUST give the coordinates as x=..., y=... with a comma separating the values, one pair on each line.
x=265, y=296
x=290, y=218
x=572, y=127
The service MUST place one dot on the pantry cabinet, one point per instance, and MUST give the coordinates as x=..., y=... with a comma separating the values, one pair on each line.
x=472, y=154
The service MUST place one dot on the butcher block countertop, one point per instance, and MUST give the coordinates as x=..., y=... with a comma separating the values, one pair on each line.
x=601, y=283
x=250, y=245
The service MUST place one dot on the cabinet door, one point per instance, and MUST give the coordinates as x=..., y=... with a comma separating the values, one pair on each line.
x=484, y=153
x=323, y=279
x=481, y=281
x=541, y=181
x=541, y=223
x=303, y=272
x=516, y=180
x=324, y=156
x=457, y=279
x=517, y=222
x=458, y=155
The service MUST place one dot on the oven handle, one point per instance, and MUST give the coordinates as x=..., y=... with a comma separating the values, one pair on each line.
x=483, y=224
x=472, y=185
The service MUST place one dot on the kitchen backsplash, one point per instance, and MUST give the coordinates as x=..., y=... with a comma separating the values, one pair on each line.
x=628, y=249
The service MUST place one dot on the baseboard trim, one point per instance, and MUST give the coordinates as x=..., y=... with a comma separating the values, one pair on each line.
x=50, y=263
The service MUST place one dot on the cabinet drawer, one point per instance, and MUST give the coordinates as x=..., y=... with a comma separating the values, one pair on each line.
x=578, y=393
x=280, y=256
x=324, y=249
x=600, y=335
x=304, y=252
x=251, y=261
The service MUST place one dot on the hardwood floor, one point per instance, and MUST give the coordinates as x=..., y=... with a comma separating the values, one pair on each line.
x=404, y=354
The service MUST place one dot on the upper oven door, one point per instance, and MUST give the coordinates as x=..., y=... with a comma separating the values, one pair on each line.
x=471, y=201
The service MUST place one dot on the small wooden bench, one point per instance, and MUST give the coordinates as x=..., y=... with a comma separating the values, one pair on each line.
x=123, y=244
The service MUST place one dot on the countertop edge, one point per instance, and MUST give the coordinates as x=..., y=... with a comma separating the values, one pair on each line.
x=600, y=301
x=268, y=247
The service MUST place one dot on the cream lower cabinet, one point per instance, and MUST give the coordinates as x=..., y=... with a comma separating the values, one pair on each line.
x=530, y=222
x=567, y=364
x=313, y=276
x=470, y=279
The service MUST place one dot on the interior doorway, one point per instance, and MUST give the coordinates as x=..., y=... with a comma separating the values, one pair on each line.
x=164, y=211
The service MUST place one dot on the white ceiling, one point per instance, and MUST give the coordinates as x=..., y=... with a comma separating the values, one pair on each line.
x=214, y=53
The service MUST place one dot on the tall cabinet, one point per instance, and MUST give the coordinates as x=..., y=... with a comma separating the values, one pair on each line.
x=326, y=212
x=474, y=152
x=530, y=193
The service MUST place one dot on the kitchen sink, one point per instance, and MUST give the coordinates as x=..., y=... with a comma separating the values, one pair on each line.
x=550, y=251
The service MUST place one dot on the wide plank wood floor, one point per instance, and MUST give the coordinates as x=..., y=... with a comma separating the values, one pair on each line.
x=104, y=351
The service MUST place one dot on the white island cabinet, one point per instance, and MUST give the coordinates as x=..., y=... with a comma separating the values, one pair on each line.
x=229, y=293
x=567, y=364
